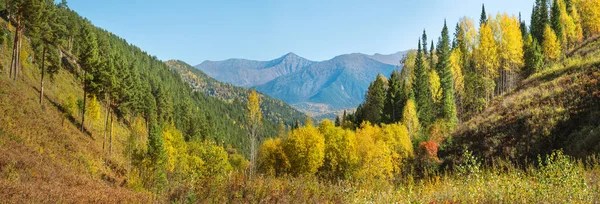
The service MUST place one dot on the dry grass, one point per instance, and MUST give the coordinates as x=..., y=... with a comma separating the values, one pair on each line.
x=541, y=114
x=44, y=161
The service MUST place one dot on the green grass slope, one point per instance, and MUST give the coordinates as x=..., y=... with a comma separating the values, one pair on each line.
x=557, y=108
x=47, y=159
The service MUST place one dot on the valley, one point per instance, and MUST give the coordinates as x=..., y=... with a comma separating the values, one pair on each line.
x=494, y=110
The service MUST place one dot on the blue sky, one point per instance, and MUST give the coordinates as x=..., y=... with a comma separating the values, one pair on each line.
x=197, y=30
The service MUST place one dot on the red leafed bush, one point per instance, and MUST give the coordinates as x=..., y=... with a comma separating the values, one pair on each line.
x=428, y=151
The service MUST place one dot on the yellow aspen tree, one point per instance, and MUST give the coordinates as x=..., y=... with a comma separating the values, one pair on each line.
x=397, y=138
x=486, y=59
x=340, y=151
x=254, y=118
x=590, y=16
x=70, y=107
x=411, y=119
x=551, y=45
x=93, y=110
x=175, y=147
x=138, y=137
x=470, y=33
x=456, y=62
x=305, y=149
x=435, y=86
x=568, y=25
x=510, y=50
x=272, y=159
x=578, y=35
x=375, y=157
x=408, y=69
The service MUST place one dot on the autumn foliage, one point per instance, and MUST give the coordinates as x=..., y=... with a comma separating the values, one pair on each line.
x=370, y=152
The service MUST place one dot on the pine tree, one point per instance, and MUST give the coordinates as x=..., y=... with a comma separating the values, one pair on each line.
x=43, y=30
x=555, y=19
x=88, y=59
x=424, y=40
x=448, y=109
x=16, y=12
x=157, y=156
x=431, y=58
x=375, y=100
x=523, y=27
x=539, y=20
x=394, y=100
x=483, y=19
x=421, y=89
x=534, y=58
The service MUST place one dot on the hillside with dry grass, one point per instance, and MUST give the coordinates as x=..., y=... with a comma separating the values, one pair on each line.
x=557, y=108
x=45, y=157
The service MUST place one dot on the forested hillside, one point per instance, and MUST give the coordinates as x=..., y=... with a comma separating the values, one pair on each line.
x=153, y=130
x=274, y=110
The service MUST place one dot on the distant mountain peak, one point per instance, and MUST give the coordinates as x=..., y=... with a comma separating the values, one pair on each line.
x=290, y=54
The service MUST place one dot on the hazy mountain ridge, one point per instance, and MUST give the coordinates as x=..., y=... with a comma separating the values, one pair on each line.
x=333, y=85
x=393, y=59
x=340, y=82
x=249, y=73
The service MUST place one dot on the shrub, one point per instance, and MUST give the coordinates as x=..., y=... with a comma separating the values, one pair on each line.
x=271, y=158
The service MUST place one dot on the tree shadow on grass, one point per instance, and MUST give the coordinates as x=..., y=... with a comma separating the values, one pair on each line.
x=69, y=117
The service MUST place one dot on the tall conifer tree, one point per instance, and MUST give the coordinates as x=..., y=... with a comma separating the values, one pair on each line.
x=448, y=109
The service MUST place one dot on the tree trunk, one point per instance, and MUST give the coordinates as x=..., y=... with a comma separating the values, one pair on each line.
x=42, y=80
x=71, y=44
x=84, y=102
x=106, y=124
x=15, y=53
x=18, y=61
x=252, y=150
x=112, y=115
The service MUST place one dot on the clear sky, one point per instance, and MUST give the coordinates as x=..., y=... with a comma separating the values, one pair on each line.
x=198, y=30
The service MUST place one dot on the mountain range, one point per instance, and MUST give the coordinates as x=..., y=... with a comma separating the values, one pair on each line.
x=316, y=88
